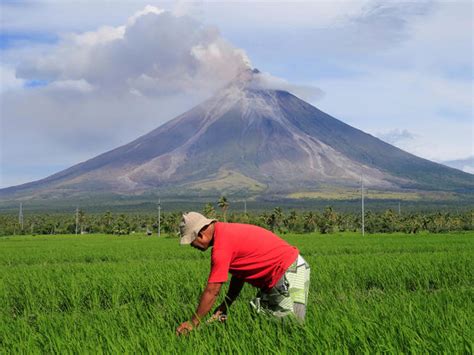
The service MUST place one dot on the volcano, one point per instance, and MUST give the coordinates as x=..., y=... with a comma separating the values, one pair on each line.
x=249, y=139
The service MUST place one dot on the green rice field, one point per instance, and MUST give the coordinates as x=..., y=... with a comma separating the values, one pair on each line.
x=127, y=294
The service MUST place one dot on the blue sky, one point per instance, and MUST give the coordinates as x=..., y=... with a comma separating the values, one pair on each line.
x=82, y=77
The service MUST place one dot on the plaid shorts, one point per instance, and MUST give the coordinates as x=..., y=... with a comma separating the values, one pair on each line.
x=290, y=294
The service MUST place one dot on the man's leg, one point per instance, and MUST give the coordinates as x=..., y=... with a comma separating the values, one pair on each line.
x=290, y=294
x=298, y=277
x=275, y=302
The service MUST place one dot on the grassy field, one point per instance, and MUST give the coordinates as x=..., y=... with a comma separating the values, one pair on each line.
x=96, y=293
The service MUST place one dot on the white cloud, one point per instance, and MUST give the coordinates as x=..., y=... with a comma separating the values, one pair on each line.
x=149, y=9
x=93, y=38
x=39, y=16
x=440, y=141
x=75, y=85
x=278, y=14
x=395, y=136
x=443, y=40
x=8, y=79
x=468, y=169
x=466, y=165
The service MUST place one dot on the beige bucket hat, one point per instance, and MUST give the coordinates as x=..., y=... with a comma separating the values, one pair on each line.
x=191, y=225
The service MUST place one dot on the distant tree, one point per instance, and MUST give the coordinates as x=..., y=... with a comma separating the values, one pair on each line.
x=224, y=205
x=243, y=218
x=278, y=218
x=372, y=222
x=348, y=222
x=328, y=221
x=104, y=223
x=437, y=223
x=413, y=223
x=269, y=220
x=454, y=223
x=292, y=222
x=171, y=223
x=309, y=222
x=388, y=222
x=275, y=219
x=121, y=225
x=209, y=211
x=467, y=220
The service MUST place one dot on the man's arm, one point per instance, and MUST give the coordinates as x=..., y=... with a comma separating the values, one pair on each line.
x=208, y=298
x=235, y=287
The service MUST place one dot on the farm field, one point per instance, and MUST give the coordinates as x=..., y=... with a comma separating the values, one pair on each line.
x=115, y=294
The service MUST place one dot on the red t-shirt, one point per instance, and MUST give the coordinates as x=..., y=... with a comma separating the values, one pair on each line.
x=250, y=253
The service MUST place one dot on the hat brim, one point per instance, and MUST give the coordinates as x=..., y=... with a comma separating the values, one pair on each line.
x=186, y=239
x=189, y=237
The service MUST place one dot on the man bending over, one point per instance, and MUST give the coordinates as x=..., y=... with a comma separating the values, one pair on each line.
x=250, y=254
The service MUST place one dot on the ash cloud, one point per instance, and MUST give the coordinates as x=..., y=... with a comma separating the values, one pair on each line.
x=306, y=92
x=155, y=53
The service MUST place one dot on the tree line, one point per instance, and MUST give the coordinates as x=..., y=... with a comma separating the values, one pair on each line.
x=292, y=221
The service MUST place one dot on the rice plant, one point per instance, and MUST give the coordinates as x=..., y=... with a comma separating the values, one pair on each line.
x=115, y=294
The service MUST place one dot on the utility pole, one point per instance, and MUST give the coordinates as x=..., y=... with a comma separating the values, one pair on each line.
x=159, y=217
x=245, y=206
x=20, y=217
x=77, y=218
x=362, y=206
x=399, y=209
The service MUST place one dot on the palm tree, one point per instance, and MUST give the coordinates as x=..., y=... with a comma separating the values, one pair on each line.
x=278, y=213
x=107, y=222
x=224, y=204
x=328, y=221
x=310, y=221
x=209, y=211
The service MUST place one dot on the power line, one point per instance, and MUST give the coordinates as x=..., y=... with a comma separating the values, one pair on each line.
x=20, y=217
x=159, y=217
x=362, y=203
x=77, y=218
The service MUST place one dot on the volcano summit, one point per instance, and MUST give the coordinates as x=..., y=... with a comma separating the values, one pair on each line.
x=253, y=140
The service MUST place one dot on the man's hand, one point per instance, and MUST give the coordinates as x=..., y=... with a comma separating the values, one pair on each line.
x=218, y=316
x=184, y=328
x=207, y=300
x=220, y=313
